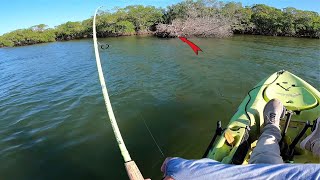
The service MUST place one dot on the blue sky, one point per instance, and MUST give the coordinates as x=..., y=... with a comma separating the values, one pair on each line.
x=17, y=14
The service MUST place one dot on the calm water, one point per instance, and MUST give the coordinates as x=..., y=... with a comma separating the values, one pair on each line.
x=54, y=124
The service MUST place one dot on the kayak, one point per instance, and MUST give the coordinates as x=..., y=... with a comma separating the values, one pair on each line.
x=235, y=143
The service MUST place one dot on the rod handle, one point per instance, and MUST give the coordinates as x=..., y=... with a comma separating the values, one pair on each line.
x=133, y=171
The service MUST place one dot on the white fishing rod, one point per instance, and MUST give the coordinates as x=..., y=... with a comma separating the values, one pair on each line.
x=131, y=167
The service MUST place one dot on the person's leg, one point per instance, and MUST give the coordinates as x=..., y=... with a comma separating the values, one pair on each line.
x=267, y=150
x=316, y=148
x=312, y=142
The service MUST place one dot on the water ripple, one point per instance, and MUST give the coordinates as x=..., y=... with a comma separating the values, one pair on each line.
x=53, y=115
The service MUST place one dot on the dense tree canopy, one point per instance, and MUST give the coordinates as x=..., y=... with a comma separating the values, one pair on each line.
x=143, y=17
x=32, y=35
x=124, y=21
x=200, y=18
x=257, y=19
x=69, y=30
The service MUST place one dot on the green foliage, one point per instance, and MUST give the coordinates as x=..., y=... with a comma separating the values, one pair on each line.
x=106, y=23
x=5, y=42
x=126, y=27
x=231, y=8
x=258, y=19
x=267, y=19
x=33, y=35
x=288, y=22
x=124, y=21
x=241, y=17
x=143, y=17
x=69, y=30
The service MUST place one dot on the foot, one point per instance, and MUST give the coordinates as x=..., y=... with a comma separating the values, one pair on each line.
x=273, y=111
x=310, y=140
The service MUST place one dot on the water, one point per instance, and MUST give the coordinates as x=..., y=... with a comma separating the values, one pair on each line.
x=54, y=124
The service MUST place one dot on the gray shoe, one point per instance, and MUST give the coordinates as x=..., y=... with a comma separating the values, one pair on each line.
x=273, y=111
x=310, y=141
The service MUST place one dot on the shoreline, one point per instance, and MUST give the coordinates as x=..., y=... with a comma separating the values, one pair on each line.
x=186, y=19
x=153, y=35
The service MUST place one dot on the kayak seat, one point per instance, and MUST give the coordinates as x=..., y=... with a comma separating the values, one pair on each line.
x=293, y=97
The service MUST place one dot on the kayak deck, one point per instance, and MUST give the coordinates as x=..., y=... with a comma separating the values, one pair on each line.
x=246, y=124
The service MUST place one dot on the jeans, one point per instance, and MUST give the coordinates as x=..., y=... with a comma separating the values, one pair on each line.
x=267, y=150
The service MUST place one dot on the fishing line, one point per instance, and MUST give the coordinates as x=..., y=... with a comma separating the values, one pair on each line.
x=223, y=96
x=154, y=140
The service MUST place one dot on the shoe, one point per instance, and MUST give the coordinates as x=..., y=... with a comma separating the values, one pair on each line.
x=310, y=140
x=273, y=111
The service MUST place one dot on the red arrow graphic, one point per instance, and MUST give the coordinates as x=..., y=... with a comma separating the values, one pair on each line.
x=194, y=47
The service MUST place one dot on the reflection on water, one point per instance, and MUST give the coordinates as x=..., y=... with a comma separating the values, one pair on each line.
x=53, y=120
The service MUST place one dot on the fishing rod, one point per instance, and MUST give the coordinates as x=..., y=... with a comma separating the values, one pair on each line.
x=131, y=167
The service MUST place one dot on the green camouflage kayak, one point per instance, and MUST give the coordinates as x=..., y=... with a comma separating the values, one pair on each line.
x=236, y=142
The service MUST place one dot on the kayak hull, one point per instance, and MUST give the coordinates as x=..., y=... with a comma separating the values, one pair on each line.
x=246, y=124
